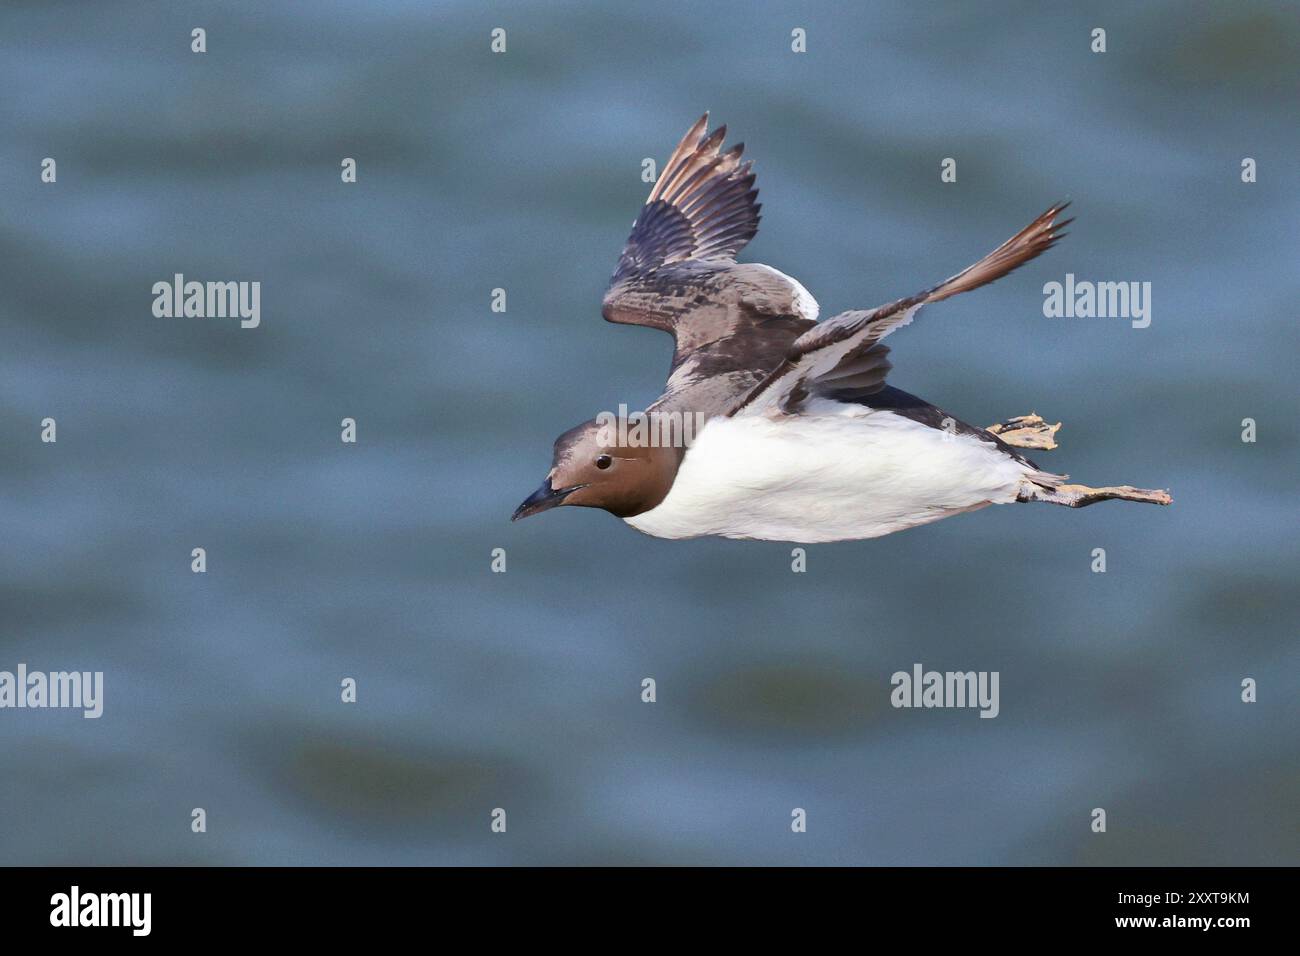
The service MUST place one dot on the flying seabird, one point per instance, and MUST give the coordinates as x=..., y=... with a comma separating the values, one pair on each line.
x=803, y=441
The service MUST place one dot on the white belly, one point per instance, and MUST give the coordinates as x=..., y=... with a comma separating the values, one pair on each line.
x=835, y=473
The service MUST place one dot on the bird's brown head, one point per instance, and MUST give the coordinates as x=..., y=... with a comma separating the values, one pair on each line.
x=591, y=469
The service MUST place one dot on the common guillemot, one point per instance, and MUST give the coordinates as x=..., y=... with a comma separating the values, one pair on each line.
x=803, y=439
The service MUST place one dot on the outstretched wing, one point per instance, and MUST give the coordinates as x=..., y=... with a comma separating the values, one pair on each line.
x=678, y=272
x=703, y=206
x=843, y=357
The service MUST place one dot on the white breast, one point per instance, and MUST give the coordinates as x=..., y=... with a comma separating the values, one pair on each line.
x=833, y=473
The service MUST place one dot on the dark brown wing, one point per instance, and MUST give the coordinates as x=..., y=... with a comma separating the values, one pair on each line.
x=678, y=272
x=843, y=357
x=703, y=206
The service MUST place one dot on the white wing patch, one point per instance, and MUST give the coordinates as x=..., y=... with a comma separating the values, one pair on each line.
x=805, y=306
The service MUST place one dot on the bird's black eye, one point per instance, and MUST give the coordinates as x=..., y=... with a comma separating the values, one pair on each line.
x=603, y=461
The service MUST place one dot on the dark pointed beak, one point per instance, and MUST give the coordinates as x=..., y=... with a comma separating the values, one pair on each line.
x=543, y=499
